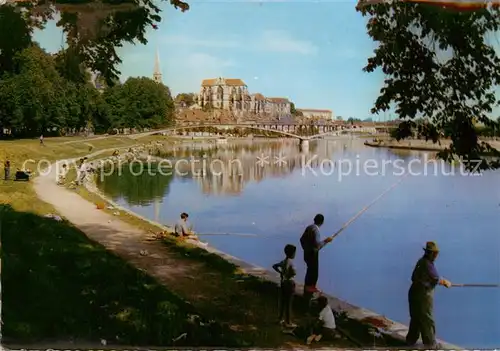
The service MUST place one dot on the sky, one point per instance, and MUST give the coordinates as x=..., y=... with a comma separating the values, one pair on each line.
x=310, y=52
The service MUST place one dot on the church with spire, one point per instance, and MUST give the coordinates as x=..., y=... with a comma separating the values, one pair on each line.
x=157, y=72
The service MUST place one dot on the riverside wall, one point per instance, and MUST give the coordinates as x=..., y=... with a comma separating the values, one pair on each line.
x=393, y=333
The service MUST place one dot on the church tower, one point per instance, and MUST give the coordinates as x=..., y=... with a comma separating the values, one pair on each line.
x=157, y=72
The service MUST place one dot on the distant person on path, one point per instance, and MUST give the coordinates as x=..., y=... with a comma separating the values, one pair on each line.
x=311, y=244
x=82, y=171
x=6, y=168
x=181, y=228
x=41, y=140
x=287, y=272
x=421, y=298
x=324, y=327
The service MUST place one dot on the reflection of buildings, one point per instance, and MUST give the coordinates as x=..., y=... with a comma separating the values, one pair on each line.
x=240, y=163
x=157, y=209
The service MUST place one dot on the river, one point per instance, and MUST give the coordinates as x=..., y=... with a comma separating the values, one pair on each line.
x=370, y=263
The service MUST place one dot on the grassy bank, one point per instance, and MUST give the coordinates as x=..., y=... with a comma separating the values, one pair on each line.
x=243, y=288
x=59, y=285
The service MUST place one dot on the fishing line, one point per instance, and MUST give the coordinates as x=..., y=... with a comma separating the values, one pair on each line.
x=242, y=235
x=475, y=285
x=364, y=209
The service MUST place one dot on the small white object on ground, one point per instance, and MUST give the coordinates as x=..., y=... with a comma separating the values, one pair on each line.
x=53, y=216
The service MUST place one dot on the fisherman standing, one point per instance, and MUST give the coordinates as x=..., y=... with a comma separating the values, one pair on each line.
x=311, y=244
x=421, y=298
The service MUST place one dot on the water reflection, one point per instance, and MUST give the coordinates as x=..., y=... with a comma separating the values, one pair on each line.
x=370, y=264
x=225, y=170
x=137, y=184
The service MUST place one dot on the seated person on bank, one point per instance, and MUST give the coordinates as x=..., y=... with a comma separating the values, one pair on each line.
x=324, y=327
x=181, y=227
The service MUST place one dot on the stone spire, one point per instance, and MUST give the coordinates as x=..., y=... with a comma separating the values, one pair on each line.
x=157, y=72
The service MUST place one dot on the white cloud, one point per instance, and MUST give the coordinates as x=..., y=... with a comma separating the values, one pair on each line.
x=188, y=41
x=267, y=41
x=207, y=62
x=280, y=41
x=184, y=73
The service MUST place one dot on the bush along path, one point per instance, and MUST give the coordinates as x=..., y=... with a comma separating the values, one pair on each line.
x=244, y=308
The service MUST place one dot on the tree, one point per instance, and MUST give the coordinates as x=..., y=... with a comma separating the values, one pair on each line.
x=439, y=65
x=340, y=118
x=35, y=100
x=140, y=102
x=94, y=28
x=15, y=36
x=294, y=111
x=186, y=98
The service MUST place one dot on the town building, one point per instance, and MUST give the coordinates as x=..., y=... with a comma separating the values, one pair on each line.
x=231, y=94
x=313, y=113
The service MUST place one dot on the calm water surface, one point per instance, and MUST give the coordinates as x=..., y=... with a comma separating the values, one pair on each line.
x=370, y=263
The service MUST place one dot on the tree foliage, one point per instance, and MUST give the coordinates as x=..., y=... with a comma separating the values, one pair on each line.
x=141, y=103
x=187, y=99
x=438, y=65
x=294, y=111
x=94, y=28
x=46, y=94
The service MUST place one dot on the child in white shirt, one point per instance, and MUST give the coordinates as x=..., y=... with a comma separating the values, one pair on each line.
x=325, y=327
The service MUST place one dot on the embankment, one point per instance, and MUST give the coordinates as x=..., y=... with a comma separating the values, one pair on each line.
x=359, y=324
x=419, y=145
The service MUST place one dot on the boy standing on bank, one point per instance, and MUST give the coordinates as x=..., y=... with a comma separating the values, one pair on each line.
x=287, y=272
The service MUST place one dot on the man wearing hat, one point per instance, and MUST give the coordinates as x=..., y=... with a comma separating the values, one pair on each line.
x=421, y=298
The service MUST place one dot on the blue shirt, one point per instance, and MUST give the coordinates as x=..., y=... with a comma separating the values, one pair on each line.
x=313, y=239
x=425, y=274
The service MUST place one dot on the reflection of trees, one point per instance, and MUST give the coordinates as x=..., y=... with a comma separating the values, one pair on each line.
x=137, y=188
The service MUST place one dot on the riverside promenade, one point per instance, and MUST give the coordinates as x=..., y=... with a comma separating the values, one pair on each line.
x=420, y=145
x=128, y=241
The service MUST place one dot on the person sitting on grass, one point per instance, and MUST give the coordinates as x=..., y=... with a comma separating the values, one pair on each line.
x=181, y=228
x=62, y=175
x=287, y=273
x=324, y=327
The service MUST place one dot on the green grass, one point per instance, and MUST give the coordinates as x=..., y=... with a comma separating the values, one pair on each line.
x=59, y=285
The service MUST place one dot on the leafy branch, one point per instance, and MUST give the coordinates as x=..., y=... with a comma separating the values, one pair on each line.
x=438, y=65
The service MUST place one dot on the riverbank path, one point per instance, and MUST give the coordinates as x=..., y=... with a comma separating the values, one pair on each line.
x=213, y=294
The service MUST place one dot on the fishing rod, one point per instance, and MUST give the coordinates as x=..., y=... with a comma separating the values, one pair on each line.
x=475, y=285
x=348, y=223
x=364, y=209
x=226, y=234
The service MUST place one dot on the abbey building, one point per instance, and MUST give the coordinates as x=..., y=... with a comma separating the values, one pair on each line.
x=232, y=95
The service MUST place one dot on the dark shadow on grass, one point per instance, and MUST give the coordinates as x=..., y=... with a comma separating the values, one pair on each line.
x=59, y=285
x=211, y=260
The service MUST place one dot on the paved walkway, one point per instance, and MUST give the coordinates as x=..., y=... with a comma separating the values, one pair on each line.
x=216, y=294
